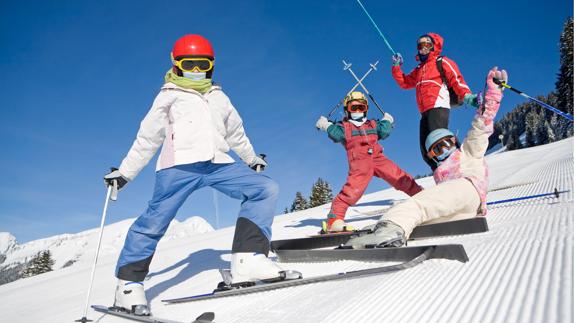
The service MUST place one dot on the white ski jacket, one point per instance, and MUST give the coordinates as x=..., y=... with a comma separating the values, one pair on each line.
x=192, y=128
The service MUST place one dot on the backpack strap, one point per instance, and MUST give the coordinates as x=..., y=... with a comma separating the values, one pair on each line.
x=441, y=70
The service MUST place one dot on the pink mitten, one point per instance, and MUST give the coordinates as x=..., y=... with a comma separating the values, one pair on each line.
x=493, y=94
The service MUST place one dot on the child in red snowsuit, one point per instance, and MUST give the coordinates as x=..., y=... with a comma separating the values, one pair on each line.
x=365, y=155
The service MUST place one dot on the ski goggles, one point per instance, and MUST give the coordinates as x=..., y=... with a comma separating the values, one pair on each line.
x=426, y=45
x=200, y=64
x=357, y=107
x=436, y=150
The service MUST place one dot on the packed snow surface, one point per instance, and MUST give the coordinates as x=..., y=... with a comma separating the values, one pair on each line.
x=519, y=271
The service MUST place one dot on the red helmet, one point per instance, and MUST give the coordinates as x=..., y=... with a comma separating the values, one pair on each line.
x=192, y=45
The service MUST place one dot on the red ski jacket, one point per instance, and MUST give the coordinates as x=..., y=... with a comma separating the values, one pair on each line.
x=430, y=90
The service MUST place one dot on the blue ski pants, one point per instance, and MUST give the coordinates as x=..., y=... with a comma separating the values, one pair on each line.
x=257, y=192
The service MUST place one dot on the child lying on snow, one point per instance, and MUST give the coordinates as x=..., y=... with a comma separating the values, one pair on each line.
x=461, y=176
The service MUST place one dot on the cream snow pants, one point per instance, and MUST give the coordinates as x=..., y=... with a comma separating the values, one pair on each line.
x=448, y=201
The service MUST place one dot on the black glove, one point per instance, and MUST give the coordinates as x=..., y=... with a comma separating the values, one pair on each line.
x=258, y=164
x=115, y=175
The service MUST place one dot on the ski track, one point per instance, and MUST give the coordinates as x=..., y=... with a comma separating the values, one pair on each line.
x=519, y=271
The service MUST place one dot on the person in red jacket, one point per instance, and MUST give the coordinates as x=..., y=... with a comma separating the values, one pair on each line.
x=433, y=97
x=360, y=137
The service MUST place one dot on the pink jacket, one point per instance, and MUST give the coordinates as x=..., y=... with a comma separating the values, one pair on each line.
x=468, y=161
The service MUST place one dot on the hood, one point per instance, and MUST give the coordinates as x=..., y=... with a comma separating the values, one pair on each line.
x=438, y=42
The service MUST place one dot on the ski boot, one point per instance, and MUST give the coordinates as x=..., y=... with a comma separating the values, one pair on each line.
x=385, y=234
x=335, y=225
x=247, y=268
x=130, y=298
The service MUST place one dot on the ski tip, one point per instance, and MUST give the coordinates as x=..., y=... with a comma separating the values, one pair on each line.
x=205, y=318
x=99, y=308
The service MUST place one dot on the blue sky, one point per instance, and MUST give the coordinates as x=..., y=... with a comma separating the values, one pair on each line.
x=78, y=76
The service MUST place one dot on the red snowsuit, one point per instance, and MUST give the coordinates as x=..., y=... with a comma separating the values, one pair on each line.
x=366, y=158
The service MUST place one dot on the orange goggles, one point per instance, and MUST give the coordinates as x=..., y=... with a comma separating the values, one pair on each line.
x=436, y=150
x=426, y=45
x=357, y=108
x=200, y=64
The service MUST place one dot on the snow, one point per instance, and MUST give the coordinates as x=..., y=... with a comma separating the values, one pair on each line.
x=7, y=242
x=78, y=249
x=519, y=271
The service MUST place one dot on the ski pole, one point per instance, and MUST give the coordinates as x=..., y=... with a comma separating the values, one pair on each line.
x=372, y=68
x=549, y=107
x=377, y=27
x=260, y=168
x=348, y=67
x=556, y=194
x=84, y=319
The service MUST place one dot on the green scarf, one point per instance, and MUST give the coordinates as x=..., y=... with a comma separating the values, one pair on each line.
x=201, y=86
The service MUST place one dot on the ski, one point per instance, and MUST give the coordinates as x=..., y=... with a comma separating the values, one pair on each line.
x=448, y=251
x=424, y=255
x=206, y=317
x=467, y=226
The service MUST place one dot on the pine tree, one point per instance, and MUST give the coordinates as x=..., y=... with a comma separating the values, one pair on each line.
x=513, y=141
x=564, y=82
x=542, y=127
x=531, y=125
x=551, y=136
x=41, y=263
x=320, y=193
x=300, y=203
x=47, y=262
x=556, y=128
x=569, y=126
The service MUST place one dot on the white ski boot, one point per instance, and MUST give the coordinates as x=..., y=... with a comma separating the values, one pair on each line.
x=249, y=267
x=385, y=234
x=130, y=297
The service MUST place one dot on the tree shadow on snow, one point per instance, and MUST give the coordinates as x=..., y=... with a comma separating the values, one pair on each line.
x=306, y=222
x=195, y=263
x=317, y=222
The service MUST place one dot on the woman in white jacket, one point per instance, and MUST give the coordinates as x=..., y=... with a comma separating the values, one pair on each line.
x=196, y=125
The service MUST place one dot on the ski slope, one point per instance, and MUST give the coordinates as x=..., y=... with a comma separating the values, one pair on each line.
x=519, y=271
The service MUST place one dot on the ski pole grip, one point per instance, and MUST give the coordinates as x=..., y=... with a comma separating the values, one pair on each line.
x=114, y=194
x=260, y=168
x=501, y=83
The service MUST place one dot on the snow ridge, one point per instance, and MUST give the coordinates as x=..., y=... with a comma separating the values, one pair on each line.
x=71, y=249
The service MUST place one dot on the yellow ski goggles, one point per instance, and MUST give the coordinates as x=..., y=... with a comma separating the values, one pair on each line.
x=200, y=64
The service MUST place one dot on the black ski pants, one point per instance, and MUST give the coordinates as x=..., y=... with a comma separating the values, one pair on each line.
x=432, y=119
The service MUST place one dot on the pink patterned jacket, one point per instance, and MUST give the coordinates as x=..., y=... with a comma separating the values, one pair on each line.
x=468, y=161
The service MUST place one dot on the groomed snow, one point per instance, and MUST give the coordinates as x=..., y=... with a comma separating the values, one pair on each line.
x=519, y=271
